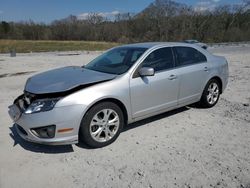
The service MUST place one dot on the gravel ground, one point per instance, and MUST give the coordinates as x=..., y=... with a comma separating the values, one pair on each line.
x=188, y=147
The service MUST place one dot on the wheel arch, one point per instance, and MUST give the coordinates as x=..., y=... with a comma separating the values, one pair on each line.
x=211, y=78
x=83, y=137
x=115, y=101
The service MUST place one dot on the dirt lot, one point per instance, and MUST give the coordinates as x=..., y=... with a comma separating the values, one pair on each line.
x=188, y=147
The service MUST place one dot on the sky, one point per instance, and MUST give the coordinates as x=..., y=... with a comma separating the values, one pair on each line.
x=49, y=10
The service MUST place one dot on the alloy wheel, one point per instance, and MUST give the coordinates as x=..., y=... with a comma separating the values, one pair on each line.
x=104, y=125
x=212, y=93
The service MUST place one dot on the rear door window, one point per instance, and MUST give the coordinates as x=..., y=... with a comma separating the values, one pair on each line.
x=188, y=56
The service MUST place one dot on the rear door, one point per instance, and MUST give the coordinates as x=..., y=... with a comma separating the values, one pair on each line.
x=154, y=93
x=193, y=70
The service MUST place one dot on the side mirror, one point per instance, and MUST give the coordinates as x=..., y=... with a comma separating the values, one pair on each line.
x=147, y=71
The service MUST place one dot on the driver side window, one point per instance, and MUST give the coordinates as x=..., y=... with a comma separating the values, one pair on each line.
x=160, y=59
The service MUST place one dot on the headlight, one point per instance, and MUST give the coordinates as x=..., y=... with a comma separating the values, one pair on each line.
x=41, y=105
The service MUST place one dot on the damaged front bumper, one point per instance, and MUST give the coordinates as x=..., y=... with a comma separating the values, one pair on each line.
x=55, y=141
x=59, y=126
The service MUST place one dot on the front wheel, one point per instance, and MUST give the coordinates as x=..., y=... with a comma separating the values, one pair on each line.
x=211, y=94
x=101, y=125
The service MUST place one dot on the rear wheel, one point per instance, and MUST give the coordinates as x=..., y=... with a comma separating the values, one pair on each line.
x=101, y=125
x=211, y=94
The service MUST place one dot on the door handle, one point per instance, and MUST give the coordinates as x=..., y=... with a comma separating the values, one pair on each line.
x=172, y=77
x=206, y=69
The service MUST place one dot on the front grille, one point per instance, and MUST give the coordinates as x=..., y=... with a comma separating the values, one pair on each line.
x=22, y=130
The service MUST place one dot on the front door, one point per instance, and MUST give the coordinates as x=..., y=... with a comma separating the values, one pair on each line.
x=151, y=94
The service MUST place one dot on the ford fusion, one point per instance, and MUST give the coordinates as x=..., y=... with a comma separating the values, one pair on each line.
x=92, y=103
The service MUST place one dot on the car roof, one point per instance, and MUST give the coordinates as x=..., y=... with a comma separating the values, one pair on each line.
x=155, y=44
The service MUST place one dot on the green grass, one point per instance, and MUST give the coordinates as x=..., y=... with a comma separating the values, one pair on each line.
x=25, y=46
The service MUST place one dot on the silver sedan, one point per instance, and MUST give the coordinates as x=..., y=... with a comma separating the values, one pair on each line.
x=126, y=84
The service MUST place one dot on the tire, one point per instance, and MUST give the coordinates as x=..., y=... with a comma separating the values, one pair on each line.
x=101, y=125
x=211, y=94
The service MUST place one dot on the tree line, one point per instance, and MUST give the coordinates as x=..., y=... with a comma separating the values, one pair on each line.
x=222, y=24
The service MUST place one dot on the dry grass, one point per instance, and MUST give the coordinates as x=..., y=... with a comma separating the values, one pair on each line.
x=24, y=46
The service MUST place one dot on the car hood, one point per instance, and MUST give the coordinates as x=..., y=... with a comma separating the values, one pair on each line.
x=64, y=79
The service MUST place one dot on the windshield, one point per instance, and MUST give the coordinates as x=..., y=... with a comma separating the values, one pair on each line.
x=116, y=61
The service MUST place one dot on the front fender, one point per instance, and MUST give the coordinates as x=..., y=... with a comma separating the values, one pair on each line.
x=117, y=89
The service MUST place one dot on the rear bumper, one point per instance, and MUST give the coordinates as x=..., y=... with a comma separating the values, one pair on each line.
x=225, y=76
